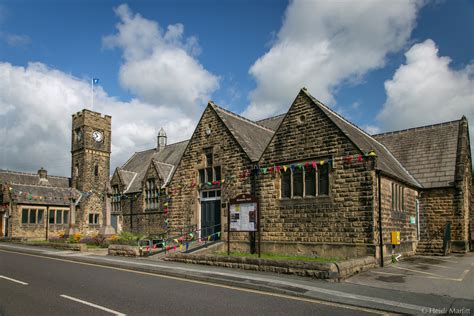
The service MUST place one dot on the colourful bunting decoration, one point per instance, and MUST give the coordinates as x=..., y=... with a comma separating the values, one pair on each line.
x=284, y=168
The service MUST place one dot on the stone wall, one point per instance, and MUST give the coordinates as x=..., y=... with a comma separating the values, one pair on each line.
x=185, y=206
x=34, y=231
x=342, y=221
x=396, y=220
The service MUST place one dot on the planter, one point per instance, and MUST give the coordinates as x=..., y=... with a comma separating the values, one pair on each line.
x=124, y=250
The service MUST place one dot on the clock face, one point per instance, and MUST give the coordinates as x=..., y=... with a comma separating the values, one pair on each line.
x=97, y=136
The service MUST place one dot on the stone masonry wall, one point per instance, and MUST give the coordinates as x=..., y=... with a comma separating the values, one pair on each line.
x=185, y=206
x=34, y=231
x=396, y=220
x=436, y=209
x=340, y=224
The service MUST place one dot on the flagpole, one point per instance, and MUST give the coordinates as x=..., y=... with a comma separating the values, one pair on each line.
x=92, y=93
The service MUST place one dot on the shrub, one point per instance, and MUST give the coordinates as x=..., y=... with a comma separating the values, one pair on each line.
x=74, y=238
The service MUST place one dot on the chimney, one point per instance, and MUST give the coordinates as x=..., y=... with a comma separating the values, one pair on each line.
x=161, y=140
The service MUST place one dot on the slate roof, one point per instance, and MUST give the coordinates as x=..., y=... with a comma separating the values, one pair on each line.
x=386, y=161
x=135, y=168
x=428, y=152
x=7, y=176
x=252, y=137
x=28, y=189
x=272, y=122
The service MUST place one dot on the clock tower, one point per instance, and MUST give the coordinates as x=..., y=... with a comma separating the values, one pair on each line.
x=90, y=168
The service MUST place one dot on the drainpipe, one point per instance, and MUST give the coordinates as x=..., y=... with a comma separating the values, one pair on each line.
x=380, y=216
x=46, y=218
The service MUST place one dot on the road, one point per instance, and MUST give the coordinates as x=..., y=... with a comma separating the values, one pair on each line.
x=37, y=285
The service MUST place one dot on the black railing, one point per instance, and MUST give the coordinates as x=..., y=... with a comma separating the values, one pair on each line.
x=447, y=238
x=446, y=233
x=182, y=241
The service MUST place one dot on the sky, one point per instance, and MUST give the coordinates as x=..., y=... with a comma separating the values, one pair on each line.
x=384, y=65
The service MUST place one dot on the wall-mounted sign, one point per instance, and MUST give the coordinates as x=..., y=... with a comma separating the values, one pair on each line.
x=412, y=220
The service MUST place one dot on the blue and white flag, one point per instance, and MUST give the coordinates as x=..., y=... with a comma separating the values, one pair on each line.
x=95, y=80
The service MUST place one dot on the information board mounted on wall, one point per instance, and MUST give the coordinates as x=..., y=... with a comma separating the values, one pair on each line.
x=243, y=216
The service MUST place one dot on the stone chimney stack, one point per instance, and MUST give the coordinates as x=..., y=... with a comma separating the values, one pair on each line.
x=161, y=140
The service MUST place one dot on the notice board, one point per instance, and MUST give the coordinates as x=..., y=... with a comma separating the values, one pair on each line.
x=243, y=214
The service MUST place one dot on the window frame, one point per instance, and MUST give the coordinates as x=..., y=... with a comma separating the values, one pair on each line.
x=95, y=219
x=29, y=211
x=398, y=197
x=56, y=211
x=116, y=199
x=304, y=171
x=152, y=194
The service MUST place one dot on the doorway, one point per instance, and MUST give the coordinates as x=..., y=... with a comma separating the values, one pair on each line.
x=210, y=214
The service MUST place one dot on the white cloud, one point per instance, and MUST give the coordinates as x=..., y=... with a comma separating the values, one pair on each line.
x=425, y=90
x=160, y=66
x=15, y=40
x=371, y=129
x=325, y=43
x=36, y=104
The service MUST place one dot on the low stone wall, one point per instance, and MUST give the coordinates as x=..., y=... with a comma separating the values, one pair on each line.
x=124, y=250
x=65, y=246
x=325, y=271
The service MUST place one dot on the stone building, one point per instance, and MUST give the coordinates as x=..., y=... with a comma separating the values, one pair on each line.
x=38, y=206
x=140, y=185
x=35, y=206
x=325, y=187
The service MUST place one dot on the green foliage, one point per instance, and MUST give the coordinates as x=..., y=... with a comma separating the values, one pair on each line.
x=127, y=238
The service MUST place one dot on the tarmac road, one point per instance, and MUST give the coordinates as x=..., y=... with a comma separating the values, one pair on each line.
x=38, y=285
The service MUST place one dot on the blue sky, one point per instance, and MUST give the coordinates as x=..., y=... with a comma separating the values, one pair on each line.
x=383, y=65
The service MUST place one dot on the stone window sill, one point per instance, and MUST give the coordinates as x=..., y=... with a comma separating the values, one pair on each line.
x=306, y=200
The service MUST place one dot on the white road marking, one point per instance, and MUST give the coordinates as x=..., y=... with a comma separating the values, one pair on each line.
x=388, y=273
x=433, y=275
x=93, y=305
x=13, y=280
x=435, y=265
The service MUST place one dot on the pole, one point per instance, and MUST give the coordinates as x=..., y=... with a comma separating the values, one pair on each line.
x=228, y=229
x=92, y=94
x=380, y=217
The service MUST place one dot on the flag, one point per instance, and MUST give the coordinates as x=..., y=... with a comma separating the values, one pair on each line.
x=95, y=80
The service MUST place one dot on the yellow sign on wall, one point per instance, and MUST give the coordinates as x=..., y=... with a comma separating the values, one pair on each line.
x=395, y=238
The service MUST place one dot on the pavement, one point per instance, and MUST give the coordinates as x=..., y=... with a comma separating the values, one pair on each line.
x=362, y=291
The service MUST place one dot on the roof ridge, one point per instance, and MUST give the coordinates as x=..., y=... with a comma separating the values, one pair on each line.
x=419, y=128
x=305, y=91
x=43, y=186
x=271, y=117
x=142, y=151
x=240, y=117
x=30, y=174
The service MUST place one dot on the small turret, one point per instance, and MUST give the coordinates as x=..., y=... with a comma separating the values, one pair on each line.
x=161, y=140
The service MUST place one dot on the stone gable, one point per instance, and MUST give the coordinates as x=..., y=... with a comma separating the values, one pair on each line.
x=344, y=219
x=227, y=153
